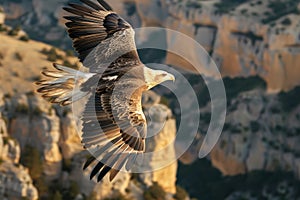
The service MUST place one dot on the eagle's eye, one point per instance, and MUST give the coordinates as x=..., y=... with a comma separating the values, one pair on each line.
x=164, y=74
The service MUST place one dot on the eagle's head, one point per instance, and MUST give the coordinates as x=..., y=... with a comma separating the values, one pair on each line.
x=155, y=77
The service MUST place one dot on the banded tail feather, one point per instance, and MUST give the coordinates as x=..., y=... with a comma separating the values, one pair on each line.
x=59, y=87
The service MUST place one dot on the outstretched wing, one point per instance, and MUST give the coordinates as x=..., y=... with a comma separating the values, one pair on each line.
x=100, y=36
x=114, y=126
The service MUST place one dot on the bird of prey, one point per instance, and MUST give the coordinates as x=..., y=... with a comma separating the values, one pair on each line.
x=113, y=120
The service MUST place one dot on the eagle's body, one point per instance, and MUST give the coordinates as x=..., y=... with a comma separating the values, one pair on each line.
x=113, y=121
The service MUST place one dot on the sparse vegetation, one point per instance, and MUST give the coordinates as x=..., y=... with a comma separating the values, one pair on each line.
x=37, y=111
x=254, y=125
x=14, y=31
x=1, y=56
x=227, y=5
x=5, y=140
x=286, y=22
x=68, y=64
x=69, y=53
x=36, y=78
x=164, y=101
x=289, y=100
x=237, y=85
x=280, y=9
x=51, y=54
x=31, y=158
x=244, y=11
x=73, y=191
x=30, y=93
x=2, y=28
x=18, y=56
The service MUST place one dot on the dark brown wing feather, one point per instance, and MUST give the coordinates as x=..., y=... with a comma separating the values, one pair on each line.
x=90, y=24
x=115, y=129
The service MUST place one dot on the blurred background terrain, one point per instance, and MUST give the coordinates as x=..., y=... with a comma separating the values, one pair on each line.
x=255, y=44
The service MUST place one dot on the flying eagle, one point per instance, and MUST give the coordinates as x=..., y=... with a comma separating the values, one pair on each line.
x=112, y=121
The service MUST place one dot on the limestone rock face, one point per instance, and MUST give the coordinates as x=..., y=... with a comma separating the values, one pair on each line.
x=161, y=133
x=16, y=182
x=241, y=46
x=2, y=16
x=69, y=141
x=9, y=150
x=241, y=41
x=259, y=134
x=152, y=13
x=37, y=129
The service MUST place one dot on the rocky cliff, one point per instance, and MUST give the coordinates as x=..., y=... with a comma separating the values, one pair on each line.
x=245, y=38
x=256, y=40
x=15, y=181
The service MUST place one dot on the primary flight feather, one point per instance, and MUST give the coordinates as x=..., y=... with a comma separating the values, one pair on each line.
x=113, y=121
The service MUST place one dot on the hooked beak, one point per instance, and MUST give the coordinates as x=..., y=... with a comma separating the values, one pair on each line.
x=171, y=77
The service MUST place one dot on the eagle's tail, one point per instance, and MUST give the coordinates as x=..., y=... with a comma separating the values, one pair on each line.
x=60, y=85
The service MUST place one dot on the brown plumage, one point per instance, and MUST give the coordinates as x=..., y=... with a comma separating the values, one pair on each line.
x=114, y=125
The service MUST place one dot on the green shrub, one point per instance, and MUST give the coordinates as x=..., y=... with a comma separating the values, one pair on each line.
x=165, y=101
x=22, y=109
x=154, y=192
x=18, y=56
x=70, y=53
x=68, y=64
x=37, y=111
x=280, y=9
x=31, y=158
x=67, y=165
x=73, y=190
x=254, y=126
x=24, y=38
x=286, y=22
x=181, y=194
x=192, y=4
x=225, y=6
x=244, y=11
x=51, y=54
x=14, y=31
x=289, y=100
x=2, y=28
